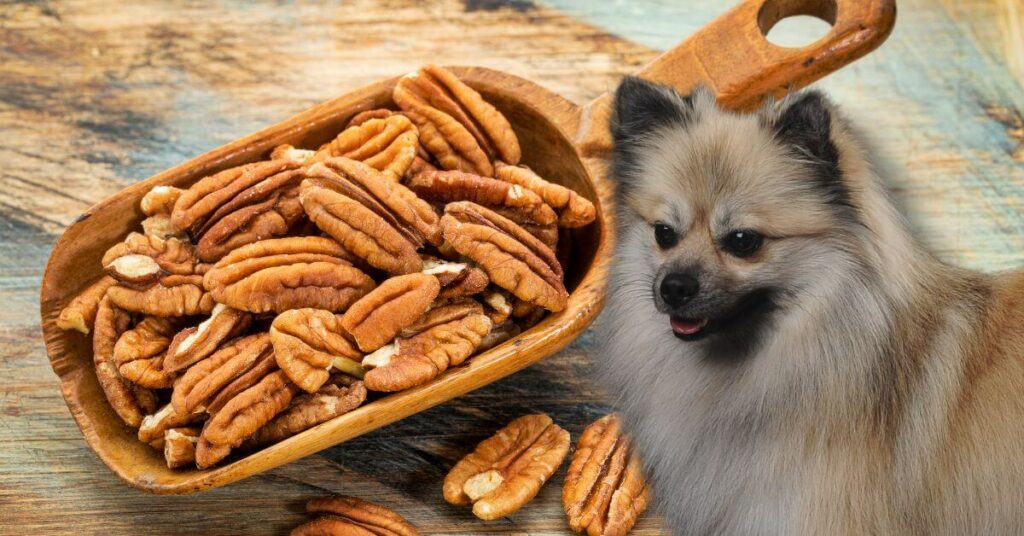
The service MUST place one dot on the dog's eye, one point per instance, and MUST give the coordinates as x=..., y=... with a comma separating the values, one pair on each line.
x=665, y=235
x=742, y=243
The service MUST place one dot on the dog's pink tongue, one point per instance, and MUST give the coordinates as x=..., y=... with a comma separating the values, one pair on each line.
x=687, y=327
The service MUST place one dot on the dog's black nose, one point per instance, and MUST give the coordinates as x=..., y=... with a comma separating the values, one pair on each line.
x=677, y=289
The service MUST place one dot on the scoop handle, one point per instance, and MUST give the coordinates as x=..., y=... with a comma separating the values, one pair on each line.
x=733, y=57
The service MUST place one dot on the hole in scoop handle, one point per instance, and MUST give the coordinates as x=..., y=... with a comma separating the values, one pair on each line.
x=733, y=57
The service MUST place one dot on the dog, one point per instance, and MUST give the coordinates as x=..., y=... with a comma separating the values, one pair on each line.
x=788, y=358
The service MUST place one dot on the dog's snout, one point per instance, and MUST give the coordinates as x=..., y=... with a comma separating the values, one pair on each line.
x=678, y=288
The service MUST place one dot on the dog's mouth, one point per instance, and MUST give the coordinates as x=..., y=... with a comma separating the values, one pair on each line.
x=688, y=329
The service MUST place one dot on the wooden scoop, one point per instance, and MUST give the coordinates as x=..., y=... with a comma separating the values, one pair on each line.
x=562, y=141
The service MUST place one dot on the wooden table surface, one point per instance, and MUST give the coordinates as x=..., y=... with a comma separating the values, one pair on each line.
x=95, y=95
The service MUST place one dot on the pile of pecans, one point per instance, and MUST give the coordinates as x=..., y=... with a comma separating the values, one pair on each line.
x=271, y=297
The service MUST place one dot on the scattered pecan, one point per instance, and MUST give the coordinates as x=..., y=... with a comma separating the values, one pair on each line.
x=173, y=295
x=380, y=315
x=310, y=409
x=443, y=313
x=605, y=489
x=130, y=402
x=153, y=426
x=242, y=415
x=456, y=124
x=206, y=198
x=448, y=186
x=140, y=259
x=513, y=259
x=507, y=470
x=203, y=382
x=457, y=279
x=308, y=343
x=80, y=312
x=140, y=353
x=180, y=446
x=377, y=220
x=409, y=362
x=387, y=144
x=573, y=209
x=287, y=273
x=192, y=344
x=348, y=516
x=287, y=152
x=366, y=115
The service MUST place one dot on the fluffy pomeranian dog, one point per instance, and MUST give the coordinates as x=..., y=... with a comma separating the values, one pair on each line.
x=789, y=359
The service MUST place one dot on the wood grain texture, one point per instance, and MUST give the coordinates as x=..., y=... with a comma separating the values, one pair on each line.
x=95, y=96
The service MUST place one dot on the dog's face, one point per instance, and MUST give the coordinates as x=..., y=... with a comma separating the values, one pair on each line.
x=726, y=217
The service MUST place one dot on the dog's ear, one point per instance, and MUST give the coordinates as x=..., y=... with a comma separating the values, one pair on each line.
x=641, y=107
x=804, y=123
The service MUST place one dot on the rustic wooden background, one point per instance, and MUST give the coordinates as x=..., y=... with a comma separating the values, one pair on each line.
x=97, y=94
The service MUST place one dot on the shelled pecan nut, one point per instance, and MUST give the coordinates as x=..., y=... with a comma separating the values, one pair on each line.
x=457, y=126
x=272, y=217
x=409, y=362
x=140, y=352
x=203, y=382
x=173, y=295
x=448, y=186
x=442, y=313
x=573, y=209
x=388, y=144
x=193, y=344
x=131, y=403
x=507, y=470
x=153, y=426
x=204, y=199
x=605, y=489
x=377, y=220
x=242, y=415
x=180, y=446
x=310, y=409
x=513, y=259
x=366, y=115
x=80, y=313
x=457, y=279
x=308, y=343
x=141, y=260
x=378, y=317
x=287, y=273
x=157, y=205
x=349, y=516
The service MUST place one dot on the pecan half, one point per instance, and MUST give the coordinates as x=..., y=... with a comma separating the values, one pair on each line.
x=380, y=315
x=457, y=126
x=308, y=343
x=173, y=295
x=195, y=343
x=442, y=313
x=387, y=144
x=457, y=279
x=274, y=216
x=140, y=259
x=605, y=489
x=377, y=220
x=153, y=426
x=130, y=402
x=310, y=409
x=513, y=259
x=80, y=312
x=409, y=362
x=157, y=205
x=140, y=353
x=203, y=382
x=287, y=273
x=573, y=209
x=366, y=115
x=507, y=470
x=349, y=516
x=180, y=446
x=242, y=415
x=448, y=186
x=206, y=198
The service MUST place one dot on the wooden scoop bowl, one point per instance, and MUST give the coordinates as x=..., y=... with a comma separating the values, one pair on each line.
x=562, y=141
